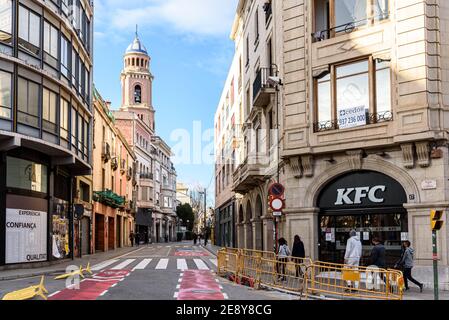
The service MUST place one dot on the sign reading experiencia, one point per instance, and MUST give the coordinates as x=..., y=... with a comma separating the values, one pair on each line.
x=352, y=117
x=26, y=236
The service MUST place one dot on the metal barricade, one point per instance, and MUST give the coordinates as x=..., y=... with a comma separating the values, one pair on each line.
x=356, y=282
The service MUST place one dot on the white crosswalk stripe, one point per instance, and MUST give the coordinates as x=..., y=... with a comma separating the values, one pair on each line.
x=182, y=264
x=143, y=264
x=200, y=264
x=123, y=264
x=103, y=265
x=162, y=265
x=214, y=262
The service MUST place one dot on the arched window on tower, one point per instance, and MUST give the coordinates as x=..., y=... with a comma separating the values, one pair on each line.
x=137, y=94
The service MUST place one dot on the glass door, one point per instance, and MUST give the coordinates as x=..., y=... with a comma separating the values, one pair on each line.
x=334, y=234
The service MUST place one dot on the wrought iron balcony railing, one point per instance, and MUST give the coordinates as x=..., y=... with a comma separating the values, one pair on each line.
x=371, y=119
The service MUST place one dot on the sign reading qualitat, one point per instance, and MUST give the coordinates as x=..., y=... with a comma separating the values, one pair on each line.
x=26, y=236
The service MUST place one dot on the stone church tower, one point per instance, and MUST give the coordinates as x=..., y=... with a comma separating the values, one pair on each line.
x=137, y=83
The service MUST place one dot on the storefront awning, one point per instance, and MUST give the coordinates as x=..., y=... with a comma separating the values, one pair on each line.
x=144, y=217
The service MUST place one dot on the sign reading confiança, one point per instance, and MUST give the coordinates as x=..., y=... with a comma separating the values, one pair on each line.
x=352, y=117
x=26, y=236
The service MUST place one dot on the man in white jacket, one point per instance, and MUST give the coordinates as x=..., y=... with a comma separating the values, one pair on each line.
x=353, y=253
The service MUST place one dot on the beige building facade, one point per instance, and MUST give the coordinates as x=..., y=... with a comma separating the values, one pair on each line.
x=363, y=141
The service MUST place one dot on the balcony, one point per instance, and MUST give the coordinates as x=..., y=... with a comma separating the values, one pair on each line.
x=129, y=174
x=123, y=167
x=106, y=152
x=114, y=164
x=250, y=174
x=262, y=90
x=109, y=198
x=146, y=176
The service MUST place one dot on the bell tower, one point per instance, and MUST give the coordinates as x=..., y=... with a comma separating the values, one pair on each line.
x=137, y=82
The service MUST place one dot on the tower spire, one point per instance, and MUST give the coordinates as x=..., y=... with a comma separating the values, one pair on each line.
x=137, y=30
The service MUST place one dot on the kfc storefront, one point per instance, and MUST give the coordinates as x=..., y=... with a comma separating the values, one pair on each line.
x=369, y=202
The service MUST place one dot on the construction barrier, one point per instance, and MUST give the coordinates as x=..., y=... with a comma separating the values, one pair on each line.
x=260, y=268
x=263, y=269
x=356, y=282
x=79, y=272
x=28, y=293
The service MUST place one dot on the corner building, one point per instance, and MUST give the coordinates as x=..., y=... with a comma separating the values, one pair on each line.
x=45, y=125
x=364, y=127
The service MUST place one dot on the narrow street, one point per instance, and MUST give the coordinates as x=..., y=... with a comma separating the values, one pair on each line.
x=177, y=271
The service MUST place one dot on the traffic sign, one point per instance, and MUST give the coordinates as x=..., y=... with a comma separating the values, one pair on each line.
x=277, y=213
x=276, y=204
x=276, y=190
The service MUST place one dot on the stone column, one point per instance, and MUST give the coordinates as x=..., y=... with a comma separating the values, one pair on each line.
x=268, y=233
x=257, y=234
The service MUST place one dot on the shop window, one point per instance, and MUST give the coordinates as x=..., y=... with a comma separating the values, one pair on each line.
x=28, y=102
x=51, y=38
x=29, y=31
x=334, y=17
x=5, y=95
x=64, y=119
x=6, y=21
x=361, y=96
x=49, y=107
x=26, y=175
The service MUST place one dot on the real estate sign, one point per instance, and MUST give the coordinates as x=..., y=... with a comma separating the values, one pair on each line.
x=352, y=117
x=26, y=236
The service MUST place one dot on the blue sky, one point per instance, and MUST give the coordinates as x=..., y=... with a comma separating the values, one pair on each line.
x=189, y=45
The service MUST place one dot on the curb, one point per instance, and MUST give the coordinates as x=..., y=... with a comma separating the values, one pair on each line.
x=210, y=250
x=40, y=273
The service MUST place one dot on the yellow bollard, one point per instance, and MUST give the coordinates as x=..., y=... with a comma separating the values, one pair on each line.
x=28, y=293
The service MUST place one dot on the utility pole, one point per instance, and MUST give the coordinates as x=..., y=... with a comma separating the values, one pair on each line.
x=205, y=218
x=436, y=223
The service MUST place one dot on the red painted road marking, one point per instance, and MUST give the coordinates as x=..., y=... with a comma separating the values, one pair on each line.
x=191, y=254
x=199, y=285
x=91, y=289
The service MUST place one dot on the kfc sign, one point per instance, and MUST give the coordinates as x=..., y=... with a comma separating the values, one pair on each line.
x=355, y=195
x=362, y=189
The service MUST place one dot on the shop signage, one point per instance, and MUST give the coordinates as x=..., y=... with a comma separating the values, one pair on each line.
x=352, y=117
x=429, y=185
x=26, y=236
x=355, y=195
x=362, y=189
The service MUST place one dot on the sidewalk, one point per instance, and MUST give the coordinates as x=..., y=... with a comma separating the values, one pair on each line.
x=61, y=267
x=414, y=294
x=211, y=248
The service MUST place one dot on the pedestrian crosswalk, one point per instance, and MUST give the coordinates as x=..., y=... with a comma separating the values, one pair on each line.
x=139, y=264
x=143, y=264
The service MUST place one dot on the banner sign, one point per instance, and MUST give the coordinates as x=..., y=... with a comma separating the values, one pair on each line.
x=352, y=117
x=26, y=236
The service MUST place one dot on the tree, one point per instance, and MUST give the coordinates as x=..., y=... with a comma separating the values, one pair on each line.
x=185, y=212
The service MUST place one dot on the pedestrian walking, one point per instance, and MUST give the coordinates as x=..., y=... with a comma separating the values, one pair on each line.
x=137, y=235
x=377, y=259
x=283, y=254
x=352, y=255
x=131, y=238
x=378, y=254
x=195, y=238
x=298, y=254
x=407, y=263
x=206, y=236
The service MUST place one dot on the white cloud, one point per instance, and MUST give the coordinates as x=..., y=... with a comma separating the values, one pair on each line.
x=192, y=17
